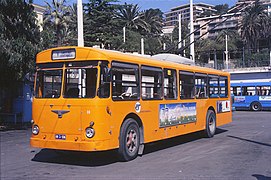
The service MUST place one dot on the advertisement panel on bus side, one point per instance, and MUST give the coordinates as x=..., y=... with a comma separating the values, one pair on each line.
x=179, y=113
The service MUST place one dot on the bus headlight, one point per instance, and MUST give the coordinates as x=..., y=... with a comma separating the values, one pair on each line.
x=35, y=130
x=90, y=132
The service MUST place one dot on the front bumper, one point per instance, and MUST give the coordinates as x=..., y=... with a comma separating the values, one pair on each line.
x=78, y=145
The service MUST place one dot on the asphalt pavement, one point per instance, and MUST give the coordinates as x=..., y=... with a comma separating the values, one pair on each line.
x=239, y=150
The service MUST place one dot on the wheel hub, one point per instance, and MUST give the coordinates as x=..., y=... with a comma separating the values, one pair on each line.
x=131, y=141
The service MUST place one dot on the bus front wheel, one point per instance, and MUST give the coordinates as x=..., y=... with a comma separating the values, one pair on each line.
x=256, y=106
x=210, y=124
x=129, y=140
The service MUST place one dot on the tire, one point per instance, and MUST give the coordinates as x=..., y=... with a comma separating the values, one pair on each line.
x=256, y=106
x=210, y=124
x=129, y=140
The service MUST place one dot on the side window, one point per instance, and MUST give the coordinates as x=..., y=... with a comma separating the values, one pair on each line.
x=104, y=87
x=201, y=85
x=223, y=86
x=248, y=91
x=186, y=85
x=170, y=80
x=263, y=90
x=151, y=82
x=213, y=86
x=125, y=81
x=268, y=91
x=236, y=90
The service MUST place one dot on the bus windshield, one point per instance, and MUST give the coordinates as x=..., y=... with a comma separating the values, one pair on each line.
x=80, y=81
x=48, y=83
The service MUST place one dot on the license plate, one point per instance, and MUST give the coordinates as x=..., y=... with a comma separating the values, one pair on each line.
x=60, y=136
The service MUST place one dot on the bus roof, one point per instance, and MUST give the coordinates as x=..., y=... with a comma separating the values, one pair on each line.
x=88, y=53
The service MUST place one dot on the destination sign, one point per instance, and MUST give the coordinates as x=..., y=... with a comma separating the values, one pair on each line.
x=63, y=54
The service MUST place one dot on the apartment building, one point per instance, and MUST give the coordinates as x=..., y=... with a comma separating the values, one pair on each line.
x=40, y=11
x=171, y=17
x=216, y=24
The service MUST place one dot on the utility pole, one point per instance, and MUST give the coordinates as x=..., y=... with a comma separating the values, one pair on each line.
x=80, y=39
x=215, y=59
x=184, y=48
x=142, y=46
x=80, y=23
x=164, y=46
x=124, y=33
x=243, y=56
x=192, y=46
x=226, y=52
x=180, y=31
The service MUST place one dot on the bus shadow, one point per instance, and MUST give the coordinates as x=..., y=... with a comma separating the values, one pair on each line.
x=94, y=159
x=176, y=141
x=261, y=177
x=251, y=141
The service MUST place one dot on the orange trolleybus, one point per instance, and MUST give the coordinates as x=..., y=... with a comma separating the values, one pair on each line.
x=89, y=99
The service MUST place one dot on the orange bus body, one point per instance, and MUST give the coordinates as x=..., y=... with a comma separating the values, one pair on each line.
x=108, y=115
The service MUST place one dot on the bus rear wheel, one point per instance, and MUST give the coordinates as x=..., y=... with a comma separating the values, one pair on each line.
x=256, y=106
x=210, y=124
x=129, y=140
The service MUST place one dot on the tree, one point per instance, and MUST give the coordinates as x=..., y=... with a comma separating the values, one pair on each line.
x=255, y=25
x=100, y=25
x=60, y=19
x=153, y=19
x=221, y=8
x=173, y=47
x=19, y=38
x=218, y=45
x=130, y=17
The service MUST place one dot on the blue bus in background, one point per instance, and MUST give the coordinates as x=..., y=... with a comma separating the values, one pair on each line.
x=253, y=96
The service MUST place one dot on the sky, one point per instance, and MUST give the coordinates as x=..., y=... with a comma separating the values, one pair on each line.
x=164, y=5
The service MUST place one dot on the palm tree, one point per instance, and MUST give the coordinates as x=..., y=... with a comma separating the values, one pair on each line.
x=130, y=15
x=254, y=25
x=58, y=16
x=153, y=19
